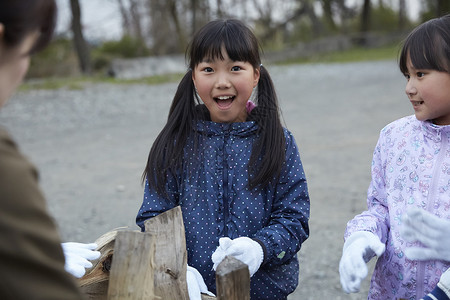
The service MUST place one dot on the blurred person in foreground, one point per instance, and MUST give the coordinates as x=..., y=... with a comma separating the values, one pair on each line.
x=32, y=261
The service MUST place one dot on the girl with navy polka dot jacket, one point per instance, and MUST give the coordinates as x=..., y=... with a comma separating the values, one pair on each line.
x=229, y=164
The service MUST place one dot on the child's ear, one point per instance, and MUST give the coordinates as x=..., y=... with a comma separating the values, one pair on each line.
x=193, y=77
x=256, y=76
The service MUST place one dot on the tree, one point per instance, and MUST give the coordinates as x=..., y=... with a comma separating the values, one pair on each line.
x=401, y=14
x=365, y=16
x=125, y=19
x=80, y=43
x=443, y=7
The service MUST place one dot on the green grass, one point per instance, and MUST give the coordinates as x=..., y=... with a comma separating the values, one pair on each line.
x=351, y=55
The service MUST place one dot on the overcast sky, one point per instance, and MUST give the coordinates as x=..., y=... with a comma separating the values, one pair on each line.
x=101, y=18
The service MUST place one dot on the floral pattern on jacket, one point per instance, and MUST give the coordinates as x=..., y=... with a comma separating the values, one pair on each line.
x=216, y=202
x=410, y=168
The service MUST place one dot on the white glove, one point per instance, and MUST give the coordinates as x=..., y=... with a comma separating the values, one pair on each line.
x=433, y=232
x=358, y=249
x=444, y=283
x=196, y=284
x=243, y=248
x=77, y=257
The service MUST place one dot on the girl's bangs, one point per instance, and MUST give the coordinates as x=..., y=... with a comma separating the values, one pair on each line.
x=237, y=45
x=426, y=48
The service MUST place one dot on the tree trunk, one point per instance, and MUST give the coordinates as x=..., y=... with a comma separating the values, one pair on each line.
x=401, y=14
x=328, y=14
x=81, y=46
x=443, y=7
x=172, y=6
x=365, y=17
x=125, y=19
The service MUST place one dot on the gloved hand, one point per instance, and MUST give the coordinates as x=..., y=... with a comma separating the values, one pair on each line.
x=433, y=232
x=77, y=257
x=444, y=283
x=358, y=249
x=243, y=248
x=196, y=284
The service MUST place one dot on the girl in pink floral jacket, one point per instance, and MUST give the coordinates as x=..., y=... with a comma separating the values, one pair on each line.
x=410, y=172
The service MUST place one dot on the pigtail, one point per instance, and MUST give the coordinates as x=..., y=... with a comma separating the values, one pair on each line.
x=268, y=154
x=166, y=152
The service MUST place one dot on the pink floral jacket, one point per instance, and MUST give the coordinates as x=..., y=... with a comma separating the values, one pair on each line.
x=410, y=168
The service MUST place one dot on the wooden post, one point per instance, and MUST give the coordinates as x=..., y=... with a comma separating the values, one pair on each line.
x=171, y=256
x=94, y=284
x=132, y=268
x=232, y=280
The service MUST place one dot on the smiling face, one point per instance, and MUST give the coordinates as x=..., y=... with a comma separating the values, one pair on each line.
x=225, y=86
x=429, y=93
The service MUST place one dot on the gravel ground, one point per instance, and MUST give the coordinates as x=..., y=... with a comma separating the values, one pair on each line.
x=91, y=146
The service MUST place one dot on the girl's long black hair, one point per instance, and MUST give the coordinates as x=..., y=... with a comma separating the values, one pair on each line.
x=428, y=46
x=268, y=153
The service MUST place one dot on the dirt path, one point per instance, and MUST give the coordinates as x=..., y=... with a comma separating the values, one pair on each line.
x=91, y=147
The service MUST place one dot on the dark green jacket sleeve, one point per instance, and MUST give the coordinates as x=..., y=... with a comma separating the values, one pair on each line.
x=31, y=257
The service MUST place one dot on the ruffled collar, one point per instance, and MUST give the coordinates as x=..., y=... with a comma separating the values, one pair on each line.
x=238, y=129
x=435, y=132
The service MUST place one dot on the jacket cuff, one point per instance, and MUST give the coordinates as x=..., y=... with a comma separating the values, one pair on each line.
x=437, y=293
x=263, y=248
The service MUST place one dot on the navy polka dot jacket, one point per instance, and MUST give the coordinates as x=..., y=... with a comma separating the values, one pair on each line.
x=216, y=202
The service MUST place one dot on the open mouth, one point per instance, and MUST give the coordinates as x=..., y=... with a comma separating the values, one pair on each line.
x=416, y=103
x=224, y=101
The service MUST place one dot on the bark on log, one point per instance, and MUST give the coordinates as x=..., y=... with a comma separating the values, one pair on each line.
x=171, y=263
x=132, y=268
x=232, y=280
x=94, y=284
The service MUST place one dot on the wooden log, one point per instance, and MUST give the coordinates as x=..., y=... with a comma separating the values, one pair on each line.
x=232, y=280
x=171, y=263
x=94, y=284
x=132, y=268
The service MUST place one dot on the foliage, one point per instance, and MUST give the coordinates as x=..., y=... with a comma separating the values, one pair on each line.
x=57, y=59
x=78, y=82
x=384, y=19
x=162, y=27
x=351, y=55
x=126, y=47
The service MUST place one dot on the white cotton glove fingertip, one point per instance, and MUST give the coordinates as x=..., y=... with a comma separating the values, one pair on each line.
x=352, y=266
x=221, y=251
x=196, y=283
x=193, y=288
x=248, y=251
x=378, y=247
x=75, y=270
x=225, y=242
x=352, y=273
x=217, y=257
x=417, y=253
x=444, y=283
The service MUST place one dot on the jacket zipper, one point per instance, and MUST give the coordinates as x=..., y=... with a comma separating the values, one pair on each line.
x=225, y=181
x=431, y=197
